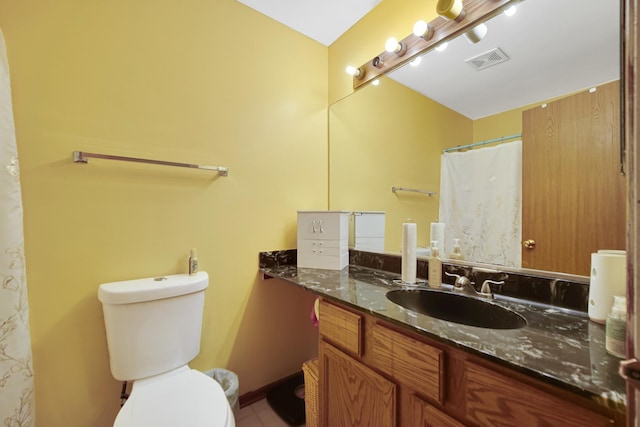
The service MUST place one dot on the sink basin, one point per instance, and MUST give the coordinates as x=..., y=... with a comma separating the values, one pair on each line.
x=457, y=308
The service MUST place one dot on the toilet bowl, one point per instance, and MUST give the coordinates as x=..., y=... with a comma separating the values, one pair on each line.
x=153, y=329
x=182, y=397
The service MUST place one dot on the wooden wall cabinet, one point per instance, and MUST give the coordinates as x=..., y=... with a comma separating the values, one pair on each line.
x=376, y=374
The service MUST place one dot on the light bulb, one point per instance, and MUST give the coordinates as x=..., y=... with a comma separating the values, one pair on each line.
x=476, y=34
x=416, y=61
x=392, y=45
x=510, y=11
x=376, y=82
x=442, y=47
x=353, y=71
x=420, y=28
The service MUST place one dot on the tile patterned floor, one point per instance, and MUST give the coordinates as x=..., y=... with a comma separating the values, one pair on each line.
x=259, y=414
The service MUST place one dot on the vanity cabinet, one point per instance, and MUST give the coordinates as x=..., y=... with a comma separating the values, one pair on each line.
x=323, y=239
x=374, y=373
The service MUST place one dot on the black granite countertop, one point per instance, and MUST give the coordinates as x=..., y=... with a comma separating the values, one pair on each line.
x=559, y=346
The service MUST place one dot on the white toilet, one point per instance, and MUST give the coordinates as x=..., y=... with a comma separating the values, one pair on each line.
x=153, y=331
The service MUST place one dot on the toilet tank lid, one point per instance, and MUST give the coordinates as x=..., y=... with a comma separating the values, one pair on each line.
x=152, y=288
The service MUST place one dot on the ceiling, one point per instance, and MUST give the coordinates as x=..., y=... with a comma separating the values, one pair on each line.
x=322, y=20
x=554, y=47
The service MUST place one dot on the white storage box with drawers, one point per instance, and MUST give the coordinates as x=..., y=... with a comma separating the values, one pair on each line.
x=369, y=230
x=323, y=239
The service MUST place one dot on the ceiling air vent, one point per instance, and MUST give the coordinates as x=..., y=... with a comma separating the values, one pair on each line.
x=487, y=59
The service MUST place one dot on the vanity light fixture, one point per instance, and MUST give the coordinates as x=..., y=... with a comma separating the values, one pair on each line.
x=353, y=71
x=510, y=11
x=422, y=29
x=394, y=46
x=476, y=34
x=454, y=20
x=451, y=9
x=442, y=46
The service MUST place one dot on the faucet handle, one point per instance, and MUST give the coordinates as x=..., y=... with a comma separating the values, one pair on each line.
x=457, y=276
x=486, y=289
x=461, y=281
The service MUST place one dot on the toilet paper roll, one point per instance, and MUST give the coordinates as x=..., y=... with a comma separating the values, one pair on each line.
x=437, y=233
x=612, y=251
x=608, y=278
x=409, y=246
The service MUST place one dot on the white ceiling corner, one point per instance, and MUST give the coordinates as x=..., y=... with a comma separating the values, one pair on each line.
x=321, y=20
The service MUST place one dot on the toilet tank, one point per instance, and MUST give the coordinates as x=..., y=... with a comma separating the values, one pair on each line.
x=153, y=325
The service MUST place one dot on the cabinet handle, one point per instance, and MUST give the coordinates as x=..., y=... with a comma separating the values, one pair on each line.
x=529, y=244
x=313, y=226
x=321, y=228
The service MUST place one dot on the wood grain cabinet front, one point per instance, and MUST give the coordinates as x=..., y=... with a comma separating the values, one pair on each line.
x=497, y=400
x=341, y=327
x=423, y=414
x=374, y=374
x=408, y=361
x=352, y=395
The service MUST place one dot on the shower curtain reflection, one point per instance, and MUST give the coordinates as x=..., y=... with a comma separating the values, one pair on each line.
x=481, y=203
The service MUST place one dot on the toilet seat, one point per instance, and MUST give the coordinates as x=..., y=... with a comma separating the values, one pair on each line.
x=183, y=397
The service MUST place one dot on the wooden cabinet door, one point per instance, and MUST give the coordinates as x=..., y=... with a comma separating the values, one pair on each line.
x=573, y=195
x=496, y=400
x=424, y=415
x=352, y=395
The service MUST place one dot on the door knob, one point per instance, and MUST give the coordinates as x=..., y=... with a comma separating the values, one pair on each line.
x=529, y=244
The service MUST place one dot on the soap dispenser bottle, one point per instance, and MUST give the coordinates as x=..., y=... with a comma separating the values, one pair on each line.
x=193, y=262
x=435, y=267
x=457, y=252
x=616, y=327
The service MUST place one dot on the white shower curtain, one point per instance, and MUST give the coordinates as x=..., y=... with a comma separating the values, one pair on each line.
x=16, y=373
x=481, y=203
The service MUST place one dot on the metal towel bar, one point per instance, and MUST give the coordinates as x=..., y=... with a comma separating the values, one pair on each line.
x=413, y=190
x=83, y=157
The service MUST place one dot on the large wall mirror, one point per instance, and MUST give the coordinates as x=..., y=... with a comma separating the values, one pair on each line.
x=562, y=59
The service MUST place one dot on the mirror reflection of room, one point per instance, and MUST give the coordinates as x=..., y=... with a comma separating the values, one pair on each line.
x=541, y=88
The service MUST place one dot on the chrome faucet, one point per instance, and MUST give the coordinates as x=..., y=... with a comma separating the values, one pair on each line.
x=464, y=286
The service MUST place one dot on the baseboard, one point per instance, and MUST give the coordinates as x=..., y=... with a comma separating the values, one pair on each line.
x=261, y=393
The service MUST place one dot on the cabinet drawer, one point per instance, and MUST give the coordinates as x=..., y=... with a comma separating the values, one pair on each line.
x=323, y=247
x=325, y=225
x=495, y=399
x=409, y=361
x=312, y=260
x=364, y=243
x=341, y=327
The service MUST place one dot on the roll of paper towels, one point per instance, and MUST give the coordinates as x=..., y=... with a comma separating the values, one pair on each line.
x=437, y=234
x=608, y=278
x=409, y=245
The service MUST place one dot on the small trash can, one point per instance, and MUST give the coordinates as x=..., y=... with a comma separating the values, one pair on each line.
x=230, y=384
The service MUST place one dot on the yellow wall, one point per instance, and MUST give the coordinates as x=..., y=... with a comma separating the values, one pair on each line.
x=384, y=136
x=176, y=81
x=365, y=40
x=498, y=125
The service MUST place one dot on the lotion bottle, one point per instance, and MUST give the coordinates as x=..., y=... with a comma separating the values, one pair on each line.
x=193, y=262
x=435, y=266
x=456, y=253
x=616, y=327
